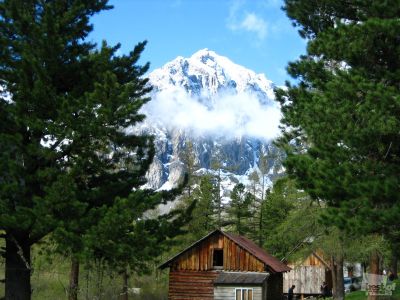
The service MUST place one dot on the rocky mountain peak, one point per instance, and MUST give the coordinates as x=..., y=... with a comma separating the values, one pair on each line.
x=226, y=111
x=207, y=72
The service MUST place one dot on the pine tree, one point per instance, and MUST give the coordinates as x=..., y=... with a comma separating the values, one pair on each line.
x=260, y=194
x=342, y=117
x=279, y=203
x=204, y=217
x=263, y=166
x=254, y=221
x=239, y=212
x=188, y=158
x=65, y=153
x=216, y=165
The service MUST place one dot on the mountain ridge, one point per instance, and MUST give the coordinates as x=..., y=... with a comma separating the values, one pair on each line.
x=212, y=71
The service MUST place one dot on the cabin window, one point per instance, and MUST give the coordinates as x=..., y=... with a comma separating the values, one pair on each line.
x=244, y=294
x=218, y=258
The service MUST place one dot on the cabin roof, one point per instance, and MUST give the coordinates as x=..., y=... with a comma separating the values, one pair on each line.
x=241, y=278
x=273, y=263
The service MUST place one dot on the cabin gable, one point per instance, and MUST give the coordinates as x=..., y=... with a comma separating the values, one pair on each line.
x=206, y=256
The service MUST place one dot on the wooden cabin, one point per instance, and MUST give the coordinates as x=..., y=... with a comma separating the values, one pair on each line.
x=221, y=266
x=308, y=275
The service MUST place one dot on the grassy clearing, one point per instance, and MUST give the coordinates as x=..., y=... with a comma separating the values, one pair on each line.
x=51, y=275
x=360, y=295
x=51, y=284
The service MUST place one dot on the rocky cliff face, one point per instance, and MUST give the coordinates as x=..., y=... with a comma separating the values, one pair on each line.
x=224, y=110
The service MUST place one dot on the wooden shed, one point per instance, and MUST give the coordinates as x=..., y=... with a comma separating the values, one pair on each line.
x=222, y=265
x=308, y=275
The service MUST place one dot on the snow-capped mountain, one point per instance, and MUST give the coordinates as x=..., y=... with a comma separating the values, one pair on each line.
x=206, y=74
x=224, y=110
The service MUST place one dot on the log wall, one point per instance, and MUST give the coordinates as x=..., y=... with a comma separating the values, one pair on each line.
x=200, y=258
x=191, y=285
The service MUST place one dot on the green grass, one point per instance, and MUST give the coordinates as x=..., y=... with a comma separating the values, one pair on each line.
x=360, y=295
x=51, y=282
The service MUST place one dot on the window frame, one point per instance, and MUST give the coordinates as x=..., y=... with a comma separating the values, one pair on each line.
x=218, y=267
x=241, y=289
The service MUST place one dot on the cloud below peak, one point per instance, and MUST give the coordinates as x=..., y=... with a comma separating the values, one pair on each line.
x=227, y=115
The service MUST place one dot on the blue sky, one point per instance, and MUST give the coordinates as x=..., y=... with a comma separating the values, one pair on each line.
x=253, y=33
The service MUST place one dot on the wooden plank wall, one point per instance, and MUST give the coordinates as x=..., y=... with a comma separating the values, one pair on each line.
x=199, y=258
x=307, y=279
x=191, y=285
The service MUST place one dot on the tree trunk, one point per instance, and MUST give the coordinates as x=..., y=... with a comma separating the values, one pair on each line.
x=394, y=263
x=18, y=267
x=373, y=284
x=73, y=279
x=334, y=276
x=260, y=227
x=337, y=278
x=219, y=200
x=125, y=277
x=87, y=284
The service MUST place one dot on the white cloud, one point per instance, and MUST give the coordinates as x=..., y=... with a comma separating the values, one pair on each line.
x=247, y=21
x=229, y=115
x=255, y=24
